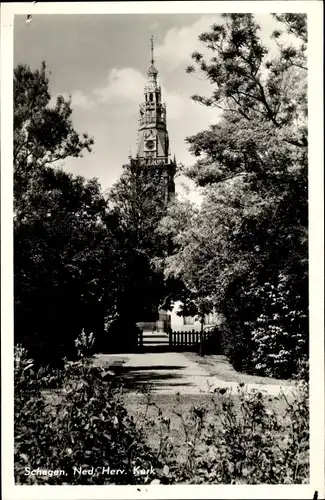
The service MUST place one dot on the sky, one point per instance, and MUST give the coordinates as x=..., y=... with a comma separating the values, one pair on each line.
x=102, y=62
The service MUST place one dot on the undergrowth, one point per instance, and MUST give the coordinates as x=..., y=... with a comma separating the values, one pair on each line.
x=241, y=440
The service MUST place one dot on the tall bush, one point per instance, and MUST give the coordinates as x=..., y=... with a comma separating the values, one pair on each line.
x=267, y=330
x=81, y=424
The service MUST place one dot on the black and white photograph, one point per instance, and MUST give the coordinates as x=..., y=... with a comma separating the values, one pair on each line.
x=161, y=272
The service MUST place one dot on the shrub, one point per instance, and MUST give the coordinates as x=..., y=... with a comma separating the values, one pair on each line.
x=83, y=425
x=244, y=441
x=267, y=326
x=236, y=345
x=121, y=335
x=29, y=411
x=212, y=341
x=280, y=336
x=84, y=344
x=246, y=438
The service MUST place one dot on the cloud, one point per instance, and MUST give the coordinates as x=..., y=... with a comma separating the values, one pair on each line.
x=183, y=110
x=124, y=87
x=154, y=26
x=123, y=90
x=179, y=43
x=78, y=99
x=125, y=84
x=176, y=104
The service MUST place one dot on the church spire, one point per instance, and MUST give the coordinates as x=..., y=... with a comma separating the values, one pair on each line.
x=153, y=141
x=152, y=72
x=152, y=53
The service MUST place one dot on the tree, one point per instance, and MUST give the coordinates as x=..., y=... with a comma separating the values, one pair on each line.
x=65, y=264
x=181, y=226
x=253, y=224
x=139, y=199
x=65, y=248
x=43, y=133
x=139, y=202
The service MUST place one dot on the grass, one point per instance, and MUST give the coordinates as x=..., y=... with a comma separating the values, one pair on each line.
x=218, y=366
x=149, y=407
x=145, y=410
x=144, y=407
x=146, y=416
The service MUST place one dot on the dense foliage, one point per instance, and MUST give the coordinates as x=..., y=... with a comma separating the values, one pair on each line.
x=65, y=256
x=245, y=252
x=71, y=259
x=94, y=264
x=82, y=259
x=83, y=424
x=241, y=438
x=43, y=133
x=139, y=201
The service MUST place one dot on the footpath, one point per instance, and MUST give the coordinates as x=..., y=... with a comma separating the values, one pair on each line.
x=173, y=372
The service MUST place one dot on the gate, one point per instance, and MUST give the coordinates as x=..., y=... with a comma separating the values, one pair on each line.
x=188, y=341
x=174, y=341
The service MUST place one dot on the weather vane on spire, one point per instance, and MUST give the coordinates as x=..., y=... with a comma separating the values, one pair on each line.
x=152, y=56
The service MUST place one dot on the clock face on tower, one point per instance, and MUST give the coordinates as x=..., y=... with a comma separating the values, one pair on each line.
x=150, y=144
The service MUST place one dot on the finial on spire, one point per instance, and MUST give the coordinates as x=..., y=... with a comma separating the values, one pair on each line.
x=152, y=55
x=153, y=72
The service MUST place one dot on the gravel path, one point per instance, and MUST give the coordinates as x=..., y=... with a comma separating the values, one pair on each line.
x=172, y=372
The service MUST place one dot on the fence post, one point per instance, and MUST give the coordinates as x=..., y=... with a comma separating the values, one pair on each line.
x=201, y=335
x=170, y=338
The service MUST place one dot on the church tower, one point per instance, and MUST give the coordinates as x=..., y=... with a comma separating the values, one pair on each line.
x=153, y=141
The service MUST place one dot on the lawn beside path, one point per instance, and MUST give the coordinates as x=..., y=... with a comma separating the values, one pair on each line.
x=217, y=365
x=176, y=382
x=167, y=385
x=149, y=411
